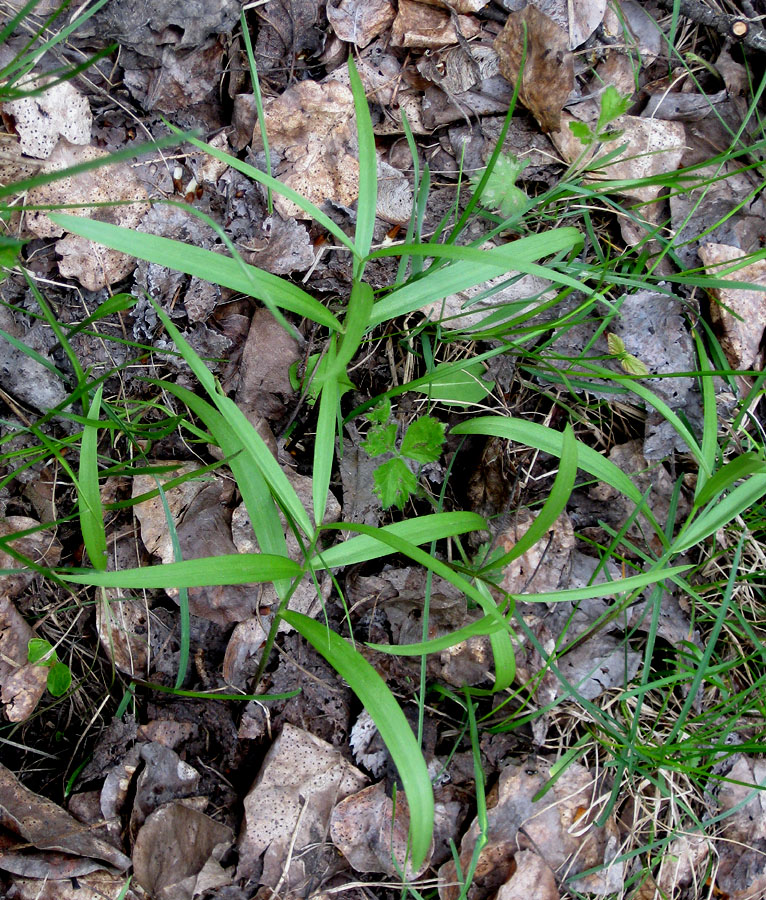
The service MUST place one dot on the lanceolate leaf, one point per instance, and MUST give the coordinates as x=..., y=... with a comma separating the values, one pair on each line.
x=394, y=728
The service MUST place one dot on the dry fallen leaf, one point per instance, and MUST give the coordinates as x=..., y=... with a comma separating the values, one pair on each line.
x=311, y=126
x=739, y=314
x=364, y=829
x=532, y=877
x=545, y=566
x=289, y=804
x=44, y=825
x=577, y=20
x=92, y=265
x=360, y=21
x=652, y=147
x=22, y=684
x=427, y=27
x=58, y=111
x=98, y=885
x=178, y=851
x=548, y=77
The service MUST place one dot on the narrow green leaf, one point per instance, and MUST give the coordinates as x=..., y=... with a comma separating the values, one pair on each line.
x=387, y=715
x=324, y=443
x=232, y=568
x=418, y=530
x=481, y=626
x=355, y=324
x=368, y=166
x=553, y=507
x=89, y=497
x=546, y=439
x=720, y=512
x=455, y=387
x=205, y=264
x=726, y=476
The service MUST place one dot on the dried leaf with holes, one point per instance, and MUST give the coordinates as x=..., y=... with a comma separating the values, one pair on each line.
x=288, y=808
x=58, y=111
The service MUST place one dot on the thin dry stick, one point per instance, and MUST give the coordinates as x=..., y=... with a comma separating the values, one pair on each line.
x=735, y=27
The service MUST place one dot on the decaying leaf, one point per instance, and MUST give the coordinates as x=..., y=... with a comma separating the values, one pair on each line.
x=122, y=628
x=577, y=20
x=366, y=831
x=428, y=27
x=559, y=827
x=739, y=314
x=42, y=547
x=360, y=21
x=98, y=885
x=548, y=75
x=301, y=780
x=545, y=566
x=23, y=684
x=178, y=851
x=44, y=825
x=58, y=111
x=468, y=308
x=311, y=126
x=92, y=265
x=652, y=147
x=165, y=777
x=459, y=6
x=532, y=877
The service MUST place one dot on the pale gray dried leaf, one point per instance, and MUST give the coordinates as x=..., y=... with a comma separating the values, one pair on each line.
x=172, y=849
x=360, y=21
x=58, y=111
x=468, y=308
x=243, y=652
x=394, y=195
x=740, y=314
x=599, y=664
x=301, y=780
x=283, y=246
x=578, y=20
x=46, y=826
x=122, y=629
x=264, y=384
x=652, y=147
x=41, y=547
x=165, y=777
x=533, y=877
x=560, y=827
x=544, y=567
x=368, y=833
x=91, y=264
x=683, y=862
x=456, y=71
x=459, y=6
x=548, y=76
x=357, y=468
x=311, y=127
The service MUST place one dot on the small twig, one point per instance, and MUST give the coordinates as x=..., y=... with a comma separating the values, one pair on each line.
x=734, y=27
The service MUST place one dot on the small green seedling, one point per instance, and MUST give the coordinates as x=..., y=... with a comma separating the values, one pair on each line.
x=395, y=482
x=631, y=364
x=613, y=105
x=500, y=191
x=41, y=653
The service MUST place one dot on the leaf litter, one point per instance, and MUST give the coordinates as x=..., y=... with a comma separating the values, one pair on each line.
x=450, y=68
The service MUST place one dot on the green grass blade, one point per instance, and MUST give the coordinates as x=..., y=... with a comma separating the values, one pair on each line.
x=324, y=443
x=394, y=728
x=553, y=507
x=89, y=497
x=549, y=441
x=720, y=512
x=481, y=626
x=258, y=103
x=368, y=169
x=231, y=568
x=466, y=272
x=205, y=264
x=355, y=324
x=709, y=447
x=420, y=530
x=253, y=444
x=739, y=468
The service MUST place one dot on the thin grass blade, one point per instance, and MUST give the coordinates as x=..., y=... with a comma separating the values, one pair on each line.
x=89, y=497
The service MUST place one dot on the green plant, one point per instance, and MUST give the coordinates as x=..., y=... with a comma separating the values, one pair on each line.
x=41, y=653
x=422, y=443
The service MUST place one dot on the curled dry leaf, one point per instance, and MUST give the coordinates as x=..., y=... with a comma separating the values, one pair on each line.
x=93, y=266
x=301, y=780
x=532, y=877
x=739, y=314
x=57, y=111
x=428, y=27
x=178, y=851
x=559, y=827
x=165, y=777
x=311, y=126
x=360, y=21
x=44, y=825
x=368, y=833
x=548, y=77
x=23, y=684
